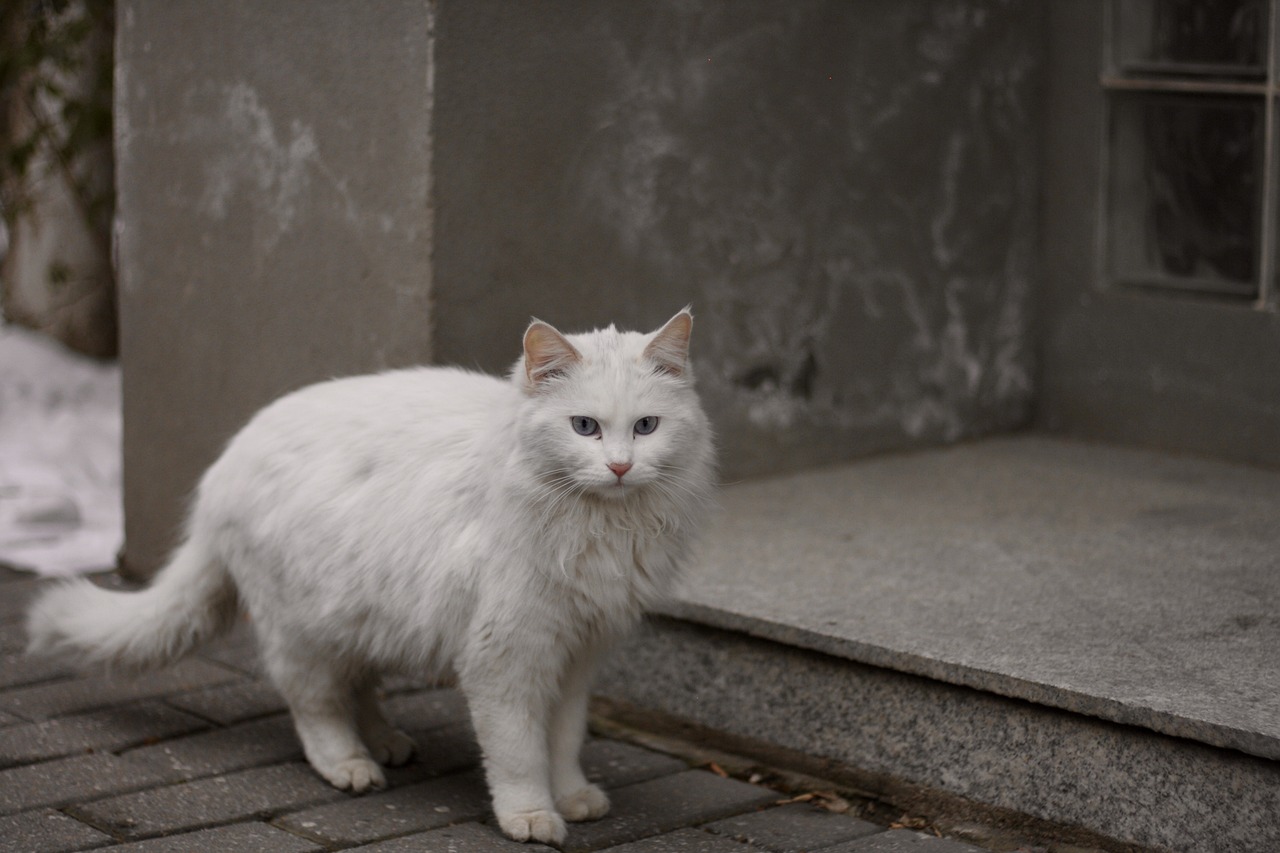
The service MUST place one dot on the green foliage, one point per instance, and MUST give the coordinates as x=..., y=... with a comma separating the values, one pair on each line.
x=48, y=121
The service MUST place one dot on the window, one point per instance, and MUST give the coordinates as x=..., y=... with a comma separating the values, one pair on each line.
x=1190, y=177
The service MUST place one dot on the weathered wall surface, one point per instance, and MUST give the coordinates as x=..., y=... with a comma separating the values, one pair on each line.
x=844, y=191
x=274, y=226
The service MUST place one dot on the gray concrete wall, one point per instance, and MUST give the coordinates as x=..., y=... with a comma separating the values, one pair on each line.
x=1171, y=372
x=844, y=191
x=274, y=225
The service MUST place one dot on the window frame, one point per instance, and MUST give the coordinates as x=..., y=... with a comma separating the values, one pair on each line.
x=1116, y=84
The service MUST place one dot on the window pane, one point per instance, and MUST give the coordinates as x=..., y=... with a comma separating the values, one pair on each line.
x=1185, y=194
x=1203, y=38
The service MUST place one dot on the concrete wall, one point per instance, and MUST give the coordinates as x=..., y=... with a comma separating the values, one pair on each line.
x=1171, y=372
x=844, y=191
x=274, y=225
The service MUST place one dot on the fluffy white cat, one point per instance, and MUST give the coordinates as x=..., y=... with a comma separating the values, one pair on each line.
x=436, y=521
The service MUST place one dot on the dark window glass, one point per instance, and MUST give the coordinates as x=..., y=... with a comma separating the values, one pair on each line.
x=1188, y=205
x=1192, y=37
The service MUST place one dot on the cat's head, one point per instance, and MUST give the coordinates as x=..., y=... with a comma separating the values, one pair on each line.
x=613, y=413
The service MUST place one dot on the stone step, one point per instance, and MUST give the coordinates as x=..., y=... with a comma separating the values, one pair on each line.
x=1080, y=633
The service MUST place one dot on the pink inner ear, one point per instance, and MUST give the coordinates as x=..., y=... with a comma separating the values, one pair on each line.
x=669, y=348
x=546, y=352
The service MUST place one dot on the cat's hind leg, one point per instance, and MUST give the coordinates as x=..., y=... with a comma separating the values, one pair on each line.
x=322, y=700
x=387, y=744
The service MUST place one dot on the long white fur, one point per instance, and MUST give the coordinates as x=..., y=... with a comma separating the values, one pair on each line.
x=440, y=522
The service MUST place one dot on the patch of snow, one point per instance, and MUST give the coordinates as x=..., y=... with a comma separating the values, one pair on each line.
x=60, y=498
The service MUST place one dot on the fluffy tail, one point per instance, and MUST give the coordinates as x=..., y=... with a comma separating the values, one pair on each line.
x=191, y=601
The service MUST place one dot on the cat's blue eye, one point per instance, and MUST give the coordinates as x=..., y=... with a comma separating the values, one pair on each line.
x=584, y=425
x=646, y=425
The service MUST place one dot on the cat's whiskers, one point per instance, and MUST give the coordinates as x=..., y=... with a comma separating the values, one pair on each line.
x=561, y=489
x=681, y=470
x=677, y=477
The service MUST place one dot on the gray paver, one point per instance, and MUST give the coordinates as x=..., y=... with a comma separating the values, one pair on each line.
x=614, y=764
x=69, y=780
x=427, y=805
x=17, y=669
x=253, y=744
x=684, y=841
x=17, y=595
x=903, y=841
x=793, y=828
x=427, y=709
x=666, y=803
x=100, y=691
x=13, y=637
x=463, y=838
x=251, y=794
x=445, y=750
x=237, y=838
x=236, y=702
x=47, y=831
x=106, y=729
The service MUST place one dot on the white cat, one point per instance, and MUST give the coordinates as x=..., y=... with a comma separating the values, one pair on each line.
x=442, y=522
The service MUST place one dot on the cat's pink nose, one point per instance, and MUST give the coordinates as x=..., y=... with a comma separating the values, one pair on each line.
x=619, y=468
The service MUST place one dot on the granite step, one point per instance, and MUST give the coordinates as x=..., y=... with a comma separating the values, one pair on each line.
x=1079, y=633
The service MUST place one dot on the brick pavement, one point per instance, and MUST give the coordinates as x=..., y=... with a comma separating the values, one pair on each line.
x=201, y=757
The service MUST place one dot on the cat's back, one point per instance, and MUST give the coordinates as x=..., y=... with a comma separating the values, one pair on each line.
x=399, y=417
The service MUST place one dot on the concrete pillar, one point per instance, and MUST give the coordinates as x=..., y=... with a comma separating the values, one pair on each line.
x=274, y=220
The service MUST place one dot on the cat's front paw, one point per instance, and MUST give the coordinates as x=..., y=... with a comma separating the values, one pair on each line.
x=588, y=803
x=356, y=775
x=545, y=826
x=393, y=748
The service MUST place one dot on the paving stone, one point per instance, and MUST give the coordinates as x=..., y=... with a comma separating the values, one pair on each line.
x=613, y=764
x=228, y=704
x=17, y=595
x=793, y=828
x=18, y=669
x=903, y=841
x=13, y=637
x=667, y=803
x=448, y=749
x=100, y=691
x=427, y=709
x=69, y=780
x=109, y=729
x=251, y=794
x=463, y=838
x=427, y=805
x=253, y=744
x=47, y=831
x=237, y=838
x=684, y=841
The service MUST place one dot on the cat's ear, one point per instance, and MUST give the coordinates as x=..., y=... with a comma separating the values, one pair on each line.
x=669, y=347
x=546, y=353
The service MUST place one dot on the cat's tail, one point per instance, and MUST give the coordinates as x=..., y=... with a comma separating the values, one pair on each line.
x=192, y=600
